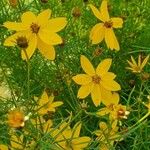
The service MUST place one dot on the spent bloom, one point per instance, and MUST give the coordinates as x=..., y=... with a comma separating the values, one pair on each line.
x=104, y=30
x=99, y=82
x=46, y=104
x=16, y=118
x=69, y=139
x=137, y=67
x=41, y=33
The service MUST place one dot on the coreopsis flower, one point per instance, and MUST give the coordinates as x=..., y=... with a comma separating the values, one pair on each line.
x=16, y=118
x=41, y=32
x=46, y=104
x=137, y=67
x=69, y=139
x=104, y=30
x=116, y=111
x=107, y=135
x=3, y=147
x=99, y=82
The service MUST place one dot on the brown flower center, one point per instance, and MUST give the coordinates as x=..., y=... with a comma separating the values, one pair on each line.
x=96, y=79
x=108, y=24
x=121, y=113
x=35, y=28
x=22, y=42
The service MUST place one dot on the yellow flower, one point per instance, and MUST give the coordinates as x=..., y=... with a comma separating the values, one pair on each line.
x=116, y=111
x=107, y=135
x=69, y=139
x=16, y=118
x=41, y=32
x=137, y=67
x=98, y=82
x=105, y=30
x=46, y=104
x=3, y=147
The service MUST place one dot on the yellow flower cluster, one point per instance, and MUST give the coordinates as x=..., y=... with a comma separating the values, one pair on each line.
x=40, y=32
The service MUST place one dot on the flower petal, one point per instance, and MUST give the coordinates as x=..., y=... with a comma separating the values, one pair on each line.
x=103, y=67
x=82, y=79
x=28, y=18
x=15, y=26
x=76, y=130
x=84, y=91
x=117, y=22
x=56, y=24
x=46, y=50
x=110, y=85
x=133, y=61
x=11, y=40
x=96, y=94
x=30, y=49
x=111, y=39
x=87, y=66
x=104, y=10
x=95, y=11
x=97, y=33
x=50, y=38
x=43, y=17
x=145, y=61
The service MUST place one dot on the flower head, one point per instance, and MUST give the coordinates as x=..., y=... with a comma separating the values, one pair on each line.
x=98, y=82
x=104, y=30
x=69, y=139
x=137, y=67
x=16, y=118
x=46, y=104
x=41, y=33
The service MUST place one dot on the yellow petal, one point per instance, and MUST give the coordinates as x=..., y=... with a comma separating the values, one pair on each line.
x=28, y=18
x=97, y=33
x=80, y=143
x=103, y=67
x=103, y=111
x=43, y=17
x=82, y=79
x=3, y=147
x=133, y=61
x=56, y=24
x=44, y=99
x=46, y=50
x=131, y=64
x=87, y=66
x=104, y=10
x=76, y=130
x=111, y=39
x=117, y=22
x=145, y=61
x=11, y=40
x=95, y=11
x=50, y=38
x=15, y=26
x=110, y=85
x=56, y=104
x=27, y=53
x=96, y=95
x=139, y=60
x=84, y=91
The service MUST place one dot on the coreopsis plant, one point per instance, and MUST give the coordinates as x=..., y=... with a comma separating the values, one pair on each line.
x=137, y=67
x=115, y=110
x=104, y=30
x=107, y=135
x=69, y=139
x=99, y=82
x=36, y=32
x=46, y=104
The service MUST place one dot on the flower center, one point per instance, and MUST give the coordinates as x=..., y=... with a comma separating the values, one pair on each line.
x=35, y=28
x=137, y=69
x=111, y=107
x=108, y=24
x=96, y=79
x=22, y=42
